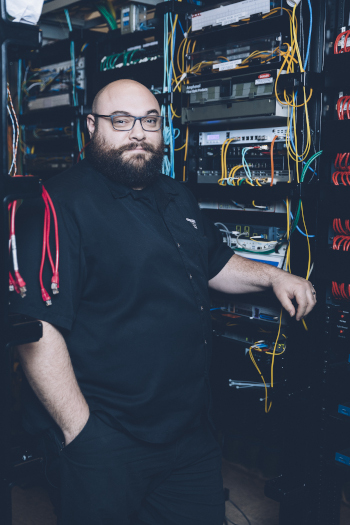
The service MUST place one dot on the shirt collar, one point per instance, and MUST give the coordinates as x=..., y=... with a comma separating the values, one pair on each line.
x=119, y=190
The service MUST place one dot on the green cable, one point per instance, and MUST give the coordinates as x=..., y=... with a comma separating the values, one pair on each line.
x=306, y=167
x=126, y=55
x=132, y=54
x=303, y=173
x=115, y=60
x=109, y=18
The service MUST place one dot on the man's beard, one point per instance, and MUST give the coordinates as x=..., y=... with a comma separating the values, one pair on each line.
x=137, y=171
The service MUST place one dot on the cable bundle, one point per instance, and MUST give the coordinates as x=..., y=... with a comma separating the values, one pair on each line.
x=260, y=347
x=341, y=241
x=17, y=283
x=339, y=228
x=340, y=44
x=341, y=291
x=343, y=107
x=344, y=176
x=232, y=179
x=342, y=169
x=339, y=164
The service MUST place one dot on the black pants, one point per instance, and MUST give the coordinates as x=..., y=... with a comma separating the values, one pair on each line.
x=108, y=477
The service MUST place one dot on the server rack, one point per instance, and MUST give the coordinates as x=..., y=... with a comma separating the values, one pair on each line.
x=13, y=330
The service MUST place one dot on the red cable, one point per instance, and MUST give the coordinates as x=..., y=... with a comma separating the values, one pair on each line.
x=341, y=157
x=81, y=151
x=347, y=102
x=347, y=161
x=336, y=162
x=344, y=49
x=342, y=291
x=335, y=178
x=55, y=278
x=346, y=37
x=45, y=296
x=338, y=108
x=48, y=223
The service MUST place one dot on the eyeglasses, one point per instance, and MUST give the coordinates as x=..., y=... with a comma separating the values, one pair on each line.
x=126, y=123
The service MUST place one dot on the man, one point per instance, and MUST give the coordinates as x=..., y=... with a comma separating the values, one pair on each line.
x=122, y=368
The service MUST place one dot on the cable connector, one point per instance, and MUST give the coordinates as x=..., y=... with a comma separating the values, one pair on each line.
x=264, y=147
x=21, y=284
x=55, y=283
x=183, y=76
x=46, y=298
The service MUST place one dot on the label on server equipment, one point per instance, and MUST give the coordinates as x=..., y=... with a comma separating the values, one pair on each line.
x=228, y=14
x=195, y=88
x=259, y=81
x=227, y=65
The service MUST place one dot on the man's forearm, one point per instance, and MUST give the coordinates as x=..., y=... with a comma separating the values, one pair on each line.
x=49, y=371
x=242, y=275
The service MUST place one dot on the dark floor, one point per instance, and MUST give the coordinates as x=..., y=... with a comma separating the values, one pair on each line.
x=31, y=506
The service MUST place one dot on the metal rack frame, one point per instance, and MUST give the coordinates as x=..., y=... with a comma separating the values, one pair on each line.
x=21, y=35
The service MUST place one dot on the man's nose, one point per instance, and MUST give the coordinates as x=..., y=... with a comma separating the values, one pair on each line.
x=137, y=131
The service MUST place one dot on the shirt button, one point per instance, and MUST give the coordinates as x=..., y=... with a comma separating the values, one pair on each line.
x=190, y=276
x=178, y=245
x=202, y=308
x=205, y=342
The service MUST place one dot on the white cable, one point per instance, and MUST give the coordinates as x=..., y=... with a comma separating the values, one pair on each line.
x=246, y=384
x=226, y=231
x=13, y=140
x=33, y=85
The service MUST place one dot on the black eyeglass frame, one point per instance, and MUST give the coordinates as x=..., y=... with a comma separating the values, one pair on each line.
x=135, y=119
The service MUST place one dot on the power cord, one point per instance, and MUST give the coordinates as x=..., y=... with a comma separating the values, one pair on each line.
x=227, y=498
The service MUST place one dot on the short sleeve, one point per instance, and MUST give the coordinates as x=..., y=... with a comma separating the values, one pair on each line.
x=29, y=240
x=219, y=253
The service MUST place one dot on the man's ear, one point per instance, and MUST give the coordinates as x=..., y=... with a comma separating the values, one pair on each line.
x=90, y=122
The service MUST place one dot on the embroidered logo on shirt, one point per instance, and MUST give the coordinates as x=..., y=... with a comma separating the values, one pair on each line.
x=193, y=222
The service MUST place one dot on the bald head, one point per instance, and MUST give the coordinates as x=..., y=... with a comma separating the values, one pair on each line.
x=113, y=97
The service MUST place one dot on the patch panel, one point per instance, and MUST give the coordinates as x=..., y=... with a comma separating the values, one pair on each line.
x=243, y=136
x=212, y=177
x=269, y=207
x=67, y=66
x=229, y=14
x=228, y=56
x=265, y=232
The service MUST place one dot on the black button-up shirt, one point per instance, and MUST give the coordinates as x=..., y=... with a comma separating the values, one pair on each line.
x=133, y=304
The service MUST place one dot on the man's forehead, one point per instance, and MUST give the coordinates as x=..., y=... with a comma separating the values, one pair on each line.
x=127, y=99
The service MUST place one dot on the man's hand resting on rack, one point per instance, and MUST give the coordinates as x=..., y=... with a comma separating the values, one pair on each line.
x=242, y=275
